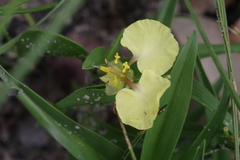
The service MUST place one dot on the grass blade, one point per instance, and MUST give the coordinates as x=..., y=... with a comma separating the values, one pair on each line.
x=222, y=19
x=210, y=129
x=167, y=12
x=79, y=141
x=215, y=59
x=168, y=126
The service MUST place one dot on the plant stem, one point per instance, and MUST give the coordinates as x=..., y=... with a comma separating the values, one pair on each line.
x=127, y=139
x=28, y=17
x=221, y=15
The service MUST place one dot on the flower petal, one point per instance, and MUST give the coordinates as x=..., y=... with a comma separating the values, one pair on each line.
x=138, y=108
x=152, y=44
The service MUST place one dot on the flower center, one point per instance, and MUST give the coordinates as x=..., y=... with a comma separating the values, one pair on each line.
x=118, y=73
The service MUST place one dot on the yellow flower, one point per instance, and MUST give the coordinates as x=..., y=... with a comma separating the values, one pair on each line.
x=155, y=50
x=117, y=76
x=152, y=45
x=139, y=107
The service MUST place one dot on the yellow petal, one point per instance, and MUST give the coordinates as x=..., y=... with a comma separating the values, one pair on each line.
x=152, y=44
x=139, y=107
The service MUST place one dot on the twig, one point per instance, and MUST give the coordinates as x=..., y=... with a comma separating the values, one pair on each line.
x=127, y=139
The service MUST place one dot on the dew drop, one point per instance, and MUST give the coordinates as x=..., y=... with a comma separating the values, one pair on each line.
x=77, y=127
x=97, y=99
x=86, y=97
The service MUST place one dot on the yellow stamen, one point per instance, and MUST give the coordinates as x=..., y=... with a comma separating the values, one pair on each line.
x=116, y=58
x=126, y=66
x=115, y=80
x=105, y=69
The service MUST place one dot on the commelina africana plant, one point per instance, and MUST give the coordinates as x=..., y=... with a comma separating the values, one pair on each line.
x=154, y=50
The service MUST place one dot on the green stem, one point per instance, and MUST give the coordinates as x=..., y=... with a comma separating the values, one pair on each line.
x=214, y=56
x=48, y=15
x=28, y=17
x=5, y=32
x=222, y=19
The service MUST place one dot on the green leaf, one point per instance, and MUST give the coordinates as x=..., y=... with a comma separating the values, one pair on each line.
x=115, y=46
x=200, y=151
x=202, y=77
x=203, y=96
x=196, y=114
x=218, y=85
x=79, y=141
x=203, y=50
x=13, y=4
x=210, y=129
x=223, y=24
x=86, y=96
x=8, y=45
x=167, y=128
x=191, y=129
x=215, y=59
x=51, y=43
x=96, y=58
x=28, y=10
x=167, y=12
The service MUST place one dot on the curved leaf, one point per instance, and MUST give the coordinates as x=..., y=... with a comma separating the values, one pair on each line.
x=79, y=141
x=201, y=95
x=13, y=4
x=86, y=96
x=96, y=57
x=4, y=11
x=50, y=44
x=210, y=129
x=167, y=128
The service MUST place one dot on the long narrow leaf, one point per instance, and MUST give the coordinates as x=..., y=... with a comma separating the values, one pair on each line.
x=222, y=18
x=115, y=46
x=203, y=50
x=201, y=95
x=13, y=4
x=167, y=128
x=210, y=129
x=215, y=59
x=167, y=12
x=28, y=10
x=78, y=140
